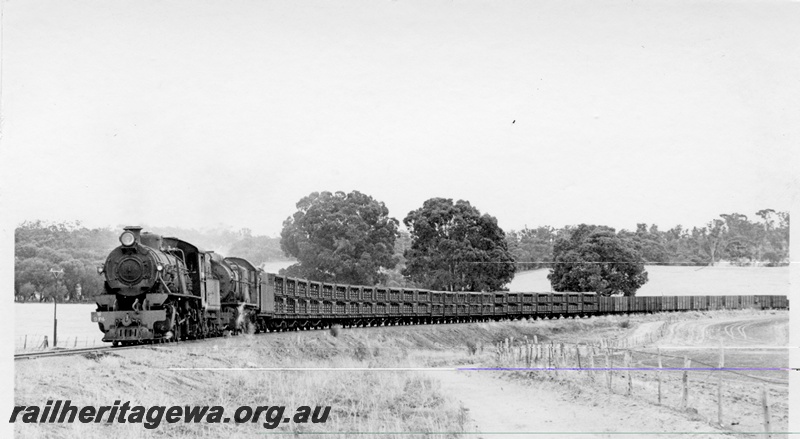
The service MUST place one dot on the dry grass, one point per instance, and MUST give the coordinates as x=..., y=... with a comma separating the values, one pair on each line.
x=360, y=401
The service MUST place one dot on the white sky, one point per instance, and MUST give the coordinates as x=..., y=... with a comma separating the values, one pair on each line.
x=201, y=113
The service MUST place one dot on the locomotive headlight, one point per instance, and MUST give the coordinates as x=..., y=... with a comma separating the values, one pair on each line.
x=100, y=269
x=159, y=267
x=127, y=239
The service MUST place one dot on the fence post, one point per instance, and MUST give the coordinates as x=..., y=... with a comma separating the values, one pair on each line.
x=527, y=355
x=765, y=406
x=608, y=371
x=719, y=384
x=659, y=375
x=687, y=363
x=530, y=354
x=538, y=360
x=628, y=363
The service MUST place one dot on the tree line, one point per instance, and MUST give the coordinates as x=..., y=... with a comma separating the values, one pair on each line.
x=447, y=245
x=350, y=238
x=760, y=240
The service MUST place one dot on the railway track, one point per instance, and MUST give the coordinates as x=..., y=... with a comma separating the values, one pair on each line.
x=63, y=352
x=79, y=351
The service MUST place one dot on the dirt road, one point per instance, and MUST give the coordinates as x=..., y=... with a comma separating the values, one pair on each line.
x=498, y=406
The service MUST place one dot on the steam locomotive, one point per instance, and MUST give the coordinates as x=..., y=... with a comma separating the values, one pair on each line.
x=165, y=289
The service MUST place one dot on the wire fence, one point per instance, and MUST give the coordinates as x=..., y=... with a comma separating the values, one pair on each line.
x=685, y=382
x=39, y=342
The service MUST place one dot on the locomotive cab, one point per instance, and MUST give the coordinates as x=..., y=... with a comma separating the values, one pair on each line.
x=203, y=284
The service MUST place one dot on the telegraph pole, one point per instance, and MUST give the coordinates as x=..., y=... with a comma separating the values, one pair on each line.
x=56, y=275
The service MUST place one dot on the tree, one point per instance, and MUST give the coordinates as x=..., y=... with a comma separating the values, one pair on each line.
x=712, y=240
x=650, y=242
x=78, y=250
x=594, y=258
x=83, y=273
x=773, y=239
x=26, y=291
x=456, y=248
x=338, y=237
x=393, y=277
x=780, y=240
x=532, y=248
x=682, y=248
x=35, y=271
x=742, y=239
x=55, y=291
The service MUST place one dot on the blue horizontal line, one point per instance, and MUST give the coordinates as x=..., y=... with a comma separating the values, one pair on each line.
x=512, y=433
x=629, y=368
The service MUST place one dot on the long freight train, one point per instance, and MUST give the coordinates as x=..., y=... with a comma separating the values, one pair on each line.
x=165, y=289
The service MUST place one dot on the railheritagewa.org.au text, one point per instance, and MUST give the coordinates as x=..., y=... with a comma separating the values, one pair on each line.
x=151, y=417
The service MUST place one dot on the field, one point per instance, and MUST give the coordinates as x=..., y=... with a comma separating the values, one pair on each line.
x=34, y=321
x=355, y=372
